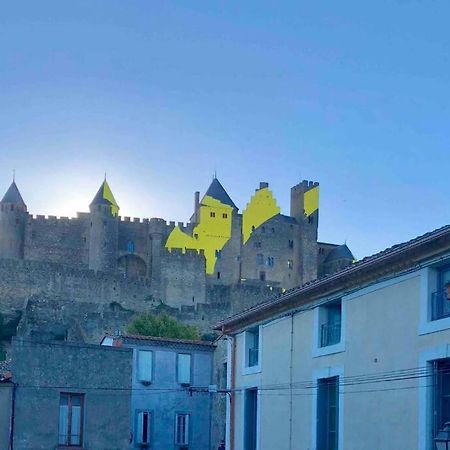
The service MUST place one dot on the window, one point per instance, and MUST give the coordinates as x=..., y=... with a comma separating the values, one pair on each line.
x=182, y=430
x=270, y=261
x=71, y=420
x=250, y=418
x=441, y=394
x=145, y=366
x=327, y=413
x=262, y=276
x=260, y=259
x=218, y=253
x=218, y=275
x=252, y=347
x=257, y=244
x=291, y=243
x=263, y=229
x=330, y=323
x=224, y=215
x=143, y=429
x=130, y=247
x=273, y=230
x=290, y=264
x=440, y=300
x=184, y=368
x=212, y=214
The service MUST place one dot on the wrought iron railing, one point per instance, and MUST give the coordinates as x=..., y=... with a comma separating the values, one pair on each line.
x=330, y=334
x=440, y=304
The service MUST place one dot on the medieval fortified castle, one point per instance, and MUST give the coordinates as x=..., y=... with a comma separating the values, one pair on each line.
x=77, y=278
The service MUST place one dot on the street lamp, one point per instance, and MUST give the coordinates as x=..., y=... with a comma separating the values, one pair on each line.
x=443, y=438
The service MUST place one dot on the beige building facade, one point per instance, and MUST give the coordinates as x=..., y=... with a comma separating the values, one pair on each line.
x=357, y=360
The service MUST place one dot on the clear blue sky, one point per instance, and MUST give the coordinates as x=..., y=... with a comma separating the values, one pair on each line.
x=159, y=94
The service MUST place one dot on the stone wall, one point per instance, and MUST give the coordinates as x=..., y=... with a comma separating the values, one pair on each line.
x=44, y=370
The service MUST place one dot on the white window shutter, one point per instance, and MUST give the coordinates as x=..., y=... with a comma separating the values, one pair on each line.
x=184, y=368
x=145, y=359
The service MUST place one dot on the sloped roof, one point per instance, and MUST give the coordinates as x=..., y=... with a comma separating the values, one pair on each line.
x=432, y=243
x=340, y=252
x=104, y=196
x=162, y=340
x=217, y=191
x=13, y=195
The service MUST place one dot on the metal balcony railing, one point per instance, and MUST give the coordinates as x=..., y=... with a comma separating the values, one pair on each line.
x=253, y=355
x=330, y=334
x=440, y=304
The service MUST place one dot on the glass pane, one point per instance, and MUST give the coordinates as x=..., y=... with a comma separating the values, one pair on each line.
x=75, y=438
x=184, y=368
x=63, y=421
x=145, y=427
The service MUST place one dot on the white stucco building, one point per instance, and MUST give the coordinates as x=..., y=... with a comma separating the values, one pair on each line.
x=355, y=360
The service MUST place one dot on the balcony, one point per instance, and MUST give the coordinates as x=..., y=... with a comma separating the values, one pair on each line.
x=330, y=334
x=440, y=304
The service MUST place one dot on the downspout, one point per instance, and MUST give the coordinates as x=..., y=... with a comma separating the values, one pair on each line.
x=11, y=426
x=290, y=381
x=232, y=392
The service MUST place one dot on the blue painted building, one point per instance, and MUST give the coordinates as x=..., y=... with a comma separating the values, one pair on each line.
x=170, y=405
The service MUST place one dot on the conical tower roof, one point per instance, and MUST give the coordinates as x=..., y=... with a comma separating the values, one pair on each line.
x=13, y=195
x=105, y=196
x=217, y=191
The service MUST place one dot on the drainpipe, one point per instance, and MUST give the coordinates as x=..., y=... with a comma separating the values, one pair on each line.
x=290, y=381
x=11, y=425
x=232, y=392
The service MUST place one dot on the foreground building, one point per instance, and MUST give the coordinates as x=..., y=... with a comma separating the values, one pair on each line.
x=171, y=403
x=66, y=395
x=358, y=359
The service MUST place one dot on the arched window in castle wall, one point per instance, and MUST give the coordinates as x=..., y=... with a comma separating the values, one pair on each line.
x=130, y=247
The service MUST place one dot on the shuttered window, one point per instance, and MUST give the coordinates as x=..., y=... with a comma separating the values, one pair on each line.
x=182, y=430
x=184, y=368
x=145, y=365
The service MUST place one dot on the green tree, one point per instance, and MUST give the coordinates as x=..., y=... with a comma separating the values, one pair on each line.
x=161, y=326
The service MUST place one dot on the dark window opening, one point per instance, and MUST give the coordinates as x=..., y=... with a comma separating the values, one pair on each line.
x=441, y=394
x=225, y=215
x=262, y=276
x=250, y=418
x=440, y=300
x=218, y=275
x=327, y=413
x=212, y=214
x=330, y=323
x=291, y=243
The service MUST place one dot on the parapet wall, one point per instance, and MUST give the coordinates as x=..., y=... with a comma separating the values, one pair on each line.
x=19, y=280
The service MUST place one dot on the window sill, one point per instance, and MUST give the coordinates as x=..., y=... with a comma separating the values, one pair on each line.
x=328, y=350
x=251, y=370
x=434, y=326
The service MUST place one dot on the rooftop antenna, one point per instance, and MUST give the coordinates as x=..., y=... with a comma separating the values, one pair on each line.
x=105, y=175
x=14, y=175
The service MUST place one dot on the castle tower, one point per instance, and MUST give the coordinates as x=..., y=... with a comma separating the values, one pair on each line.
x=13, y=216
x=104, y=231
x=305, y=209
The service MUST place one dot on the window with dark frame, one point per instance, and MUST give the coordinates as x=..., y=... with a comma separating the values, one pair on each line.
x=330, y=323
x=440, y=300
x=327, y=413
x=182, y=431
x=441, y=394
x=143, y=428
x=71, y=420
